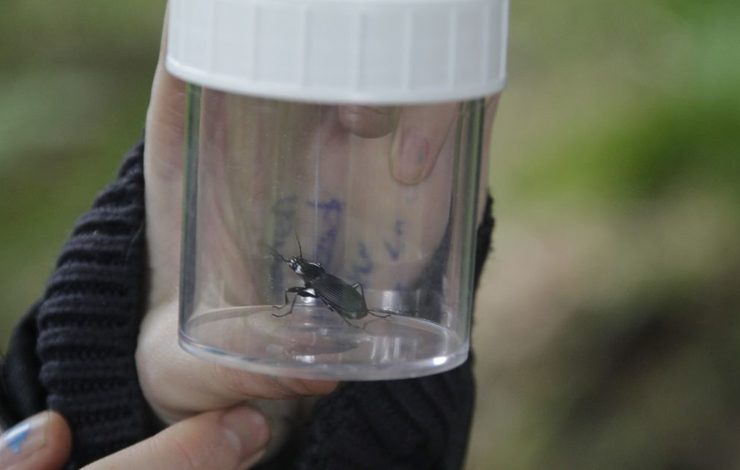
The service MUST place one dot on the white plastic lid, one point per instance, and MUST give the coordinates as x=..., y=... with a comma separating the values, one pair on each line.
x=357, y=51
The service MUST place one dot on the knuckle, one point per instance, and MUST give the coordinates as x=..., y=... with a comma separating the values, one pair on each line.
x=232, y=380
x=187, y=455
x=242, y=385
x=307, y=388
x=238, y=385
x=191, y=451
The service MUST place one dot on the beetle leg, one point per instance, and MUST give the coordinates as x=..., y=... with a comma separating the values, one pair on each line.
x=362, y=289
x=297, y=290
x=377, y=313
x=292, y=304
x=287, y=291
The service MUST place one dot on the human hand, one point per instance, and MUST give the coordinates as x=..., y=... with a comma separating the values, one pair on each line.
x=176, y=384
x=219, y=440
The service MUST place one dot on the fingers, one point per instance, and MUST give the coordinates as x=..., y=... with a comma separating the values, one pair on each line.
x=165, y=123
x=177, y=384
x=368, y=121
x=42, y=442
x=223, y=440
x=422, y=131
x=419, y=133
x=163, y=171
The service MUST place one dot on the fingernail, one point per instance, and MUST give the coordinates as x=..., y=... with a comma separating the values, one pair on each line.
x=412, y=159
x=23, y=439
x=248, y=430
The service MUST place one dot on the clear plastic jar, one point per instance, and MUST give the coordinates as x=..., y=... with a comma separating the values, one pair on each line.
x=329, y=239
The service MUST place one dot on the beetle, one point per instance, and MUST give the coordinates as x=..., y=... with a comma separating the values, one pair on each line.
x=348, y=300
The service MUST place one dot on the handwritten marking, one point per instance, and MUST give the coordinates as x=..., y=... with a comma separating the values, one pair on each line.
x=331, y=216
x=363, y=265
x=396, y=246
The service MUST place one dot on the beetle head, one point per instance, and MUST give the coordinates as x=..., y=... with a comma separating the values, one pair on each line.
x=295, y=264
x=305, y=269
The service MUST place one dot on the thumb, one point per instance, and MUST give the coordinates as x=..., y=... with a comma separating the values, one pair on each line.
x=223, y=440
x=42, y=442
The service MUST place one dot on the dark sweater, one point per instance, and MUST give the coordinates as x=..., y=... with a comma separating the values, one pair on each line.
x=74, y=352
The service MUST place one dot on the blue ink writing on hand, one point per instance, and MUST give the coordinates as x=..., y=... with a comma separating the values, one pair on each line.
x=396, y=246
x=363, y=265
x=331, y=215
x=331, y=210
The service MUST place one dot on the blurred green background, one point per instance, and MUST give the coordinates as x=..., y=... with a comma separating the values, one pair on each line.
x=608, y=334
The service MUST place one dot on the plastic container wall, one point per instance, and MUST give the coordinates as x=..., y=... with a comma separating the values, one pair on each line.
x=329, y=241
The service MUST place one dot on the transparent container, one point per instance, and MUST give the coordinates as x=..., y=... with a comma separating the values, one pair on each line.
x=329, y=225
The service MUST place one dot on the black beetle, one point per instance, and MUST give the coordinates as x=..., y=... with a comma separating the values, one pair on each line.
x=338, y=295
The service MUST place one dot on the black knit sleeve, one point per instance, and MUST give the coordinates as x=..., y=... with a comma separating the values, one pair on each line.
x=74, y=351
x=21, y=393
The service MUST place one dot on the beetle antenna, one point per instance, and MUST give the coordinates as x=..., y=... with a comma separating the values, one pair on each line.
x=276, y=254
x=300, y=250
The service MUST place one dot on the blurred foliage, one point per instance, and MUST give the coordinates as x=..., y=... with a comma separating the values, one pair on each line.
x=74, y=85
x=608, y=333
